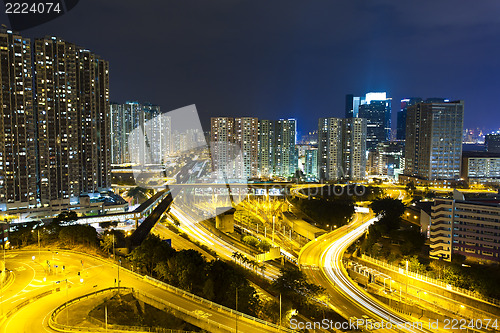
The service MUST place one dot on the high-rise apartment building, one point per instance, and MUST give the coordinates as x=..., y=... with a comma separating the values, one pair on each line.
x=157, y=129
x=94, y=122
x=249, y=148
x=342, y=148
x=311, y=164
x=401, y=116
x=222, y=143
x=17, y=126
x=124, y=118
x=72, y=104
x=354, y=132
x=266, y=147
x=154, y=142
x=285, y=155
x=246, y=136
x=57, y=107
x=330, y=166
x=433, y=145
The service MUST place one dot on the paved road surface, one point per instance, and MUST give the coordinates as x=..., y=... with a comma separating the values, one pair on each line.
x=96, y=275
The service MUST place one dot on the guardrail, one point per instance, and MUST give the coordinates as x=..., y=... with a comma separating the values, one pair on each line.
x=147, y=298
x=28, y=301
x=214, y=305
x=430, y=280
x=104, y=327
x=185, y=293
x=61, y=327
x=114, y=327
x=7, y=279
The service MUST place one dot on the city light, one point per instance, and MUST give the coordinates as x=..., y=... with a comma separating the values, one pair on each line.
x=213, y=160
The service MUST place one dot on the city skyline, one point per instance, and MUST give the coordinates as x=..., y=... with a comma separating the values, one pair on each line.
x=233, y=58
x=335, y=182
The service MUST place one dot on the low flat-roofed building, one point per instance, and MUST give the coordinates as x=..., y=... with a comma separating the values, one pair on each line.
x=468, y=228
x=480, y=167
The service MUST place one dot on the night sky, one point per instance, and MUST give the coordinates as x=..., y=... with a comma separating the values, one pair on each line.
x=291, y=58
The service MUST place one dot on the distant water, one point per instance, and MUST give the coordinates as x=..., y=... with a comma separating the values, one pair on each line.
x=473, y=147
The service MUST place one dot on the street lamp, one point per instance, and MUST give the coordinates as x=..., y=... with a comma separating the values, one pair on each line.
x=38, y=233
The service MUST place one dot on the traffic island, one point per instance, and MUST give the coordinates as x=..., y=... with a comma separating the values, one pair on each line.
x=115, y=309
x=124, y=310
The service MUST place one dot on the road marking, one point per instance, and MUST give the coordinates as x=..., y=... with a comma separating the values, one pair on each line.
x=20, y=269
x=201, y=314
x=10, y=256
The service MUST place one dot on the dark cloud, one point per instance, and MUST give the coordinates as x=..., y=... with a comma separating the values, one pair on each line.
x=292, y=58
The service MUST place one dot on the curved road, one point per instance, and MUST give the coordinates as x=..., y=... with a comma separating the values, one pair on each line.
x=322, y=262
x=96, y=274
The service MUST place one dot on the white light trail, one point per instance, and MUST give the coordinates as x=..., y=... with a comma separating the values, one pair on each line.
x=331, y=260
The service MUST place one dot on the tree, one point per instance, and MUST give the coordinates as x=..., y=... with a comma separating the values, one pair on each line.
x=414, y=265
x=438, y=267
x=65, y=216
x=327, y=211
x=412, y=241
x=151, y=252
x=107, y=242
x=175, y=220
x=262, y=268
x=187, y=269
x=78, y=235
x=292, y=284
x=224, y=281
x=265, y=245
x=390, y=210
x=138, y=193
x=299, y=175
x=250, y=240
x=410, y=188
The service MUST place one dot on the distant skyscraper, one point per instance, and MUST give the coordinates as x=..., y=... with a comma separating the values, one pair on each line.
x=222, y=141
x=434, y=140
x=125, y=118
x=492, y=142
x=266, y=147
x=152, y=146
x=311, y=164
x=157, y=128
x=285, y=156
x=330, y=166
x=387, y=158
x=354, y=148
x=246, y=136
x=401, y=125
x=352, y=104
x=376, y=109
x=17, y=126
x=118, y=135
